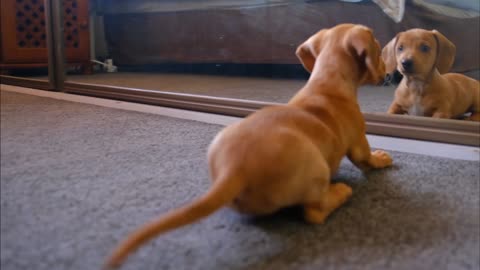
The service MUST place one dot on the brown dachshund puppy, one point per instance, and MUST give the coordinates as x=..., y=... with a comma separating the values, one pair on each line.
x=285, y=155
x=444, y=61
x=421, y=56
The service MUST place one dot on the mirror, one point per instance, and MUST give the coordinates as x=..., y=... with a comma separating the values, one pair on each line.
x=243, y=49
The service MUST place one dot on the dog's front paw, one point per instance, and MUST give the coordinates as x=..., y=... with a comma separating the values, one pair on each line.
x=381, y=159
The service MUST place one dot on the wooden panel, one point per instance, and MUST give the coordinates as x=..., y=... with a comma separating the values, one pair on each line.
x=30, y=24
x=24, y=33
x=76, y=30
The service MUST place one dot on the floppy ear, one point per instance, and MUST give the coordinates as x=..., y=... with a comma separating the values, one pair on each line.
x=308, y=51
x=367, y=48
x=306, y=55
x=445, y=52
x=388, y=56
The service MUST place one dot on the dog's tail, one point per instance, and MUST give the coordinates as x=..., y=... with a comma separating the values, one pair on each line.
x=221, y=193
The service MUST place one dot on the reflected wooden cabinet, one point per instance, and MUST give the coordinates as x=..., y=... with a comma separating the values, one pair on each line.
x=23, y=41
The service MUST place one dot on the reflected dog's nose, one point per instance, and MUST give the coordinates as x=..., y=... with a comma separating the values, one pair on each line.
x=407, y=65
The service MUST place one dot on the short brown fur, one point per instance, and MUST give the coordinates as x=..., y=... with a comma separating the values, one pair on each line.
x=285, y=155
x=424, y=89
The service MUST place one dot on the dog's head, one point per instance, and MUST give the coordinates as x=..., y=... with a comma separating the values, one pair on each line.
x=351, y=40
x=417, y=52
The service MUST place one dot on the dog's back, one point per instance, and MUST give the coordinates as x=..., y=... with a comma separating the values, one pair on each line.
x=285, y=155
x=466, y=92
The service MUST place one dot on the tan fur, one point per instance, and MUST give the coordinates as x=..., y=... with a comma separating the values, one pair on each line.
x=424, y=91
x=285, y=155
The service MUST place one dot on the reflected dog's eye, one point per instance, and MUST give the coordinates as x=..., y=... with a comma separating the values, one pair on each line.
x=424, y=48
x=400, y=48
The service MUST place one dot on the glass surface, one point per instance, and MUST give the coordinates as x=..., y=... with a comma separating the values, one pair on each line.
x=242, y=49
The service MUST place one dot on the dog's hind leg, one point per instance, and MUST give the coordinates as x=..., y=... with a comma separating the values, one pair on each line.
x=321, y=197
x=336, y=195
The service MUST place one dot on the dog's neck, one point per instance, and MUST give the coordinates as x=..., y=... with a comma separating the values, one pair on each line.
x=420, y=86
x=332, y=76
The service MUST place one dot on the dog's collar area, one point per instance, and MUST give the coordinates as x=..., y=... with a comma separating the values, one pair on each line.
x=418, y=86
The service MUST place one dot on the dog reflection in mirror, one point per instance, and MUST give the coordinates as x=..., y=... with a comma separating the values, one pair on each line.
x=421, y=56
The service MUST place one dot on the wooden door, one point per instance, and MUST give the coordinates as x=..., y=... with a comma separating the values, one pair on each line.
x=24, y=34
x=76, y=30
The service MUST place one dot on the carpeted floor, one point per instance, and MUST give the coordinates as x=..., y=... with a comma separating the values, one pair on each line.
x=76, y=178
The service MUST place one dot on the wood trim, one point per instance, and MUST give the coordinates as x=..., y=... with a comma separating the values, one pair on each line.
x=423, y=128
x=444, y=135
x=26, y=82
x=225, y=106
x=420, y=128
x=23, y=65
x=425, y=122
x=36, y=65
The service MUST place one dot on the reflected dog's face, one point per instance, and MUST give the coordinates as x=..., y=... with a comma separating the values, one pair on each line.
x=417, y=52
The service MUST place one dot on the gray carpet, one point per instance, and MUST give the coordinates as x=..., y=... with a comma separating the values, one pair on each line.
x=76, y=178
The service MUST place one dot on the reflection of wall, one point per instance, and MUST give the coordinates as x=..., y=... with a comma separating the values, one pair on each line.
x=97, y=29
x=99, y=49
x=99, y=43
x=464, y=4
x=265, y=35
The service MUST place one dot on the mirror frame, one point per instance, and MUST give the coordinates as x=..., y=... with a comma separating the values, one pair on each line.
x=400, y=126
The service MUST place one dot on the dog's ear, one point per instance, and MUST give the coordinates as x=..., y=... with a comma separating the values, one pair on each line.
x=445, y=54
x=367, y=49
x=388, y=56
x=308, y=51
x=306, y=55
